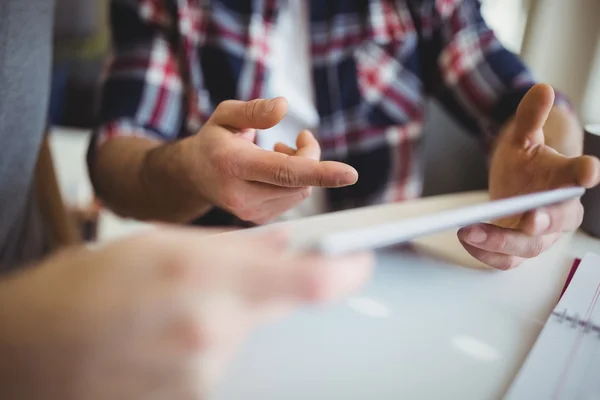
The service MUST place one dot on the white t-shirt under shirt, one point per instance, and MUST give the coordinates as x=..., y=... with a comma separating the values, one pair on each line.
x=291, y=77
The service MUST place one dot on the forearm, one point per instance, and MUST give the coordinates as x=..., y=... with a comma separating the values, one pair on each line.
x=147, y=180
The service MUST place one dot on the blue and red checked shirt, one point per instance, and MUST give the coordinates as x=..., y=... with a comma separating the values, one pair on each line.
x=374, y=65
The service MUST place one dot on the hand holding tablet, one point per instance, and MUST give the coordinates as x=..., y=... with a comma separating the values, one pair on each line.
x=382, y=235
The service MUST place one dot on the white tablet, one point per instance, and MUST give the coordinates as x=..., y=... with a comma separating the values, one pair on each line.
x=387, y=234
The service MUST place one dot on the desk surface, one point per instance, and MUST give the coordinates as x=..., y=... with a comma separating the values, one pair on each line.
x=432, y=323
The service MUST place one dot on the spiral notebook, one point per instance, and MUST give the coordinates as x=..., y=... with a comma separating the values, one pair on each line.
x=564, y=363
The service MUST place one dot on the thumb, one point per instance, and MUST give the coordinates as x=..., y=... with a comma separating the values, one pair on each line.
x=532, y=114
x=584, y=171
x=258, y=114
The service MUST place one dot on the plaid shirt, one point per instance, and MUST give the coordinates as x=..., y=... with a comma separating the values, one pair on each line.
x=374, y=65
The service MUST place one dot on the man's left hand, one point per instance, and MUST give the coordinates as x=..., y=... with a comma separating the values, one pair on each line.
x=523, y=163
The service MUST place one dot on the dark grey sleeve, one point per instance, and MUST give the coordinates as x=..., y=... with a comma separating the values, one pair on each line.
x=25, y=63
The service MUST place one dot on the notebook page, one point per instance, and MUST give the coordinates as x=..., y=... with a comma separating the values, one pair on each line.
x=564, y=363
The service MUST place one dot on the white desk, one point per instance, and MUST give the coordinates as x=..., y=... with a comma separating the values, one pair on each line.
x=423, y=328
x=432, y=324
x=69, y=149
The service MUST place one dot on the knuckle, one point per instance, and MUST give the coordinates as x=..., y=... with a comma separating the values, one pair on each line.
x=250, y=109
x=234, y=201
x=223, y=106
x=321, y=176
x=223, y=162
x=284, y=176
x=537, y=247
x=501, y=242
x=322, y=180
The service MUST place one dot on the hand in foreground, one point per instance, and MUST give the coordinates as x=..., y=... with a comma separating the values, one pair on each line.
x=254, y=184
x=522, y=163
x=151, y=317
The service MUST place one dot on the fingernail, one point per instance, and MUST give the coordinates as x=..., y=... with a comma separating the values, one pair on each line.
x=270, y=105
x=542, y=221
x=348, y=178
x=476, y=235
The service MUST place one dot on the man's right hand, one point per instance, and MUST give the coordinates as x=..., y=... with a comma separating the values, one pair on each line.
x=156, y=316
x=140, y=177
x=254, y=184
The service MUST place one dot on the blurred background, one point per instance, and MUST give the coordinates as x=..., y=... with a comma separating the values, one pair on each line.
x=559, y=40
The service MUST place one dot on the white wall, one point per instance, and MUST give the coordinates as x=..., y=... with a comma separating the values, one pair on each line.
x=559, y=40
x=561, y=48
x=69, y=147
x=591, y=100
x=508, y=19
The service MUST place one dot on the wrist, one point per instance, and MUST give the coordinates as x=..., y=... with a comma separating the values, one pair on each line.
x=171, y=169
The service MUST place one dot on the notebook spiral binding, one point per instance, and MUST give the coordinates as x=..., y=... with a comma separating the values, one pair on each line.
x=575, y=321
